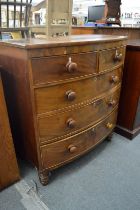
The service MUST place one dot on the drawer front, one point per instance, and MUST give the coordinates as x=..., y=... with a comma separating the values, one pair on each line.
x=111, y=58
x=68, y=94
x=58, y=153
x=67, y=123
x=57, y=68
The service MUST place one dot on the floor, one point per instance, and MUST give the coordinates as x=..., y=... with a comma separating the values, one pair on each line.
x=107, y=178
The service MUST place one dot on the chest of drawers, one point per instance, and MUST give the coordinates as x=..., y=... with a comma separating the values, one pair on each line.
x=62, y=95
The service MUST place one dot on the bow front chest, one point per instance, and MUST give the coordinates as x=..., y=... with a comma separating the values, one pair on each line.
x=62, y=95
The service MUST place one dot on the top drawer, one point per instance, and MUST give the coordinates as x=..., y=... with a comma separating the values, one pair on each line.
x=57, y=68
x=111, y=58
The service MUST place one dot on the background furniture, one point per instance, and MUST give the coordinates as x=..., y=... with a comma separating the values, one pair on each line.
x=63, y=95
x=132, y=33
x=14, y=17
x=112, y=12
x=58, y=18
x=128, y=123
x=9, y=172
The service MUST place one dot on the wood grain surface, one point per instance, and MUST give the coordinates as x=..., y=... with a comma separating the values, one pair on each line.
x=55, y=102
x=9, y=172
x=129, y=115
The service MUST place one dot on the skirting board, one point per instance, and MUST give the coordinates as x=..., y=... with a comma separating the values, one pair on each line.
x=129, y=134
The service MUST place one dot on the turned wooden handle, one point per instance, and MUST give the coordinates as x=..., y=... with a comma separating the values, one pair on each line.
x=109, y=125
x=71, y=123
x=71, y=66
x=118, y=56
x=71, y=95
x=114, y=79
x=72, y=148
x=111, y=102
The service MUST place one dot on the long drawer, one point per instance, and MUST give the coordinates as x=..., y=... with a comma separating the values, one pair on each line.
x=111, y=58
x=56, y=68
x=65, y=95
x=57, y=125
x=61, y=152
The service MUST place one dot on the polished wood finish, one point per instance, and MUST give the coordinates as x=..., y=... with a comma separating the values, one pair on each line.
x=58, y=153
x=49, y=69
x=9, y=172
x=128, y=123
x=111, y=58
x=66, y=123
x=73, y=93
x=130, y=32
x=78, y=30
x=56, y=106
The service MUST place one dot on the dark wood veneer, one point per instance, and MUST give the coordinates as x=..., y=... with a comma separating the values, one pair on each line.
x=128, y=123
x=35, y=92
x=9, y=172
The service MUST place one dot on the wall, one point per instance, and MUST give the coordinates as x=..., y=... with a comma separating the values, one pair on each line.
x=130, y=13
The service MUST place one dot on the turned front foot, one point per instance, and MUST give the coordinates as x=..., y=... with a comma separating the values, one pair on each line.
x=44, y=177
x=109, y=137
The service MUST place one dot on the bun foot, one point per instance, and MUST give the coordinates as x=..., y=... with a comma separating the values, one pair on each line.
x=109, y=137
x=44, y=177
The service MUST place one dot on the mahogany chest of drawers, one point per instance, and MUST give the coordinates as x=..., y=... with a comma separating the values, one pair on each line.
x=62, y=95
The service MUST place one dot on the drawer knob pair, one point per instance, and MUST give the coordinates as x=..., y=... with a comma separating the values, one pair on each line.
x=72, y=148
x=109, y=125
x=71, y=95
x=71, y=66
x=71, y=123
x=118, y=56
x=114, y=79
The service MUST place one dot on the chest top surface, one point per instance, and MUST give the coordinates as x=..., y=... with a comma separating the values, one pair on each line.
x=32, y=43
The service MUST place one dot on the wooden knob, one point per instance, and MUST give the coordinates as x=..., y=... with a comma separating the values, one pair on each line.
x=118, y=56
x=72, y=148
x=71, y=123
x=109, y=125
x=71, y=66
x=71, y=95
x=111, y=102
x=114, y=79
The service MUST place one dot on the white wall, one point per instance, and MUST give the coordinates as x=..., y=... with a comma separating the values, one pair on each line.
x=131, y=3
x=133, y=8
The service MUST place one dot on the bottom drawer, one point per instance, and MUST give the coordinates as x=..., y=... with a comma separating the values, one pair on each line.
x=59, y=153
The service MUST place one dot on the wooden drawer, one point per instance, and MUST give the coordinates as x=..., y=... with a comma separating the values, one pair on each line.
x=55, y=126
x=57, y=68
x=68, y=94
x=58, y=153
x=111, y=58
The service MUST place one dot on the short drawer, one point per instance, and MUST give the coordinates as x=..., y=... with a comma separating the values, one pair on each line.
x=65, y=95
x=61, y=152
x=57, y=68
x=55, y=126
x=111, y=58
